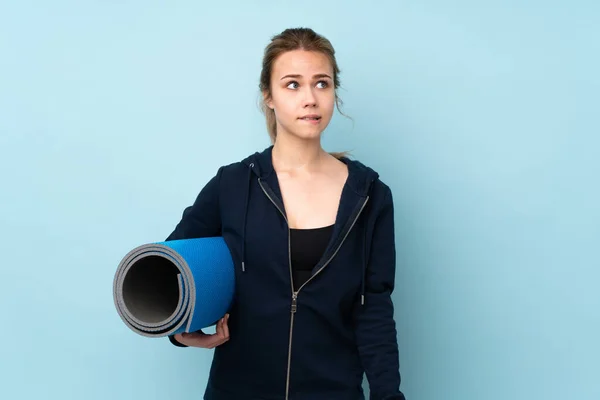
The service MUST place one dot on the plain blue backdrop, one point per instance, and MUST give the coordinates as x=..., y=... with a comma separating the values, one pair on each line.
x=481, y=115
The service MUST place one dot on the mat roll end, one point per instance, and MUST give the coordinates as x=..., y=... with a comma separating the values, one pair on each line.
x=165, y=288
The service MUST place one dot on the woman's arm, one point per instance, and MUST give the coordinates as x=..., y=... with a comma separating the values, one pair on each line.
x=201, y=219
x=375, y=327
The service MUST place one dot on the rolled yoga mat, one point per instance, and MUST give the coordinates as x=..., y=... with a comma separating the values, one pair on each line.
x=176, y=286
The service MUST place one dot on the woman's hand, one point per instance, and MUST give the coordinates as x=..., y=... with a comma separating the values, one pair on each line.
x=203, y=340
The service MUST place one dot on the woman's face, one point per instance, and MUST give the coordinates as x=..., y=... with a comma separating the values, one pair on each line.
x=302, y=93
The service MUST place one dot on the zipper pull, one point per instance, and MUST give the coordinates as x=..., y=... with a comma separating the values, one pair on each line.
x=294, y=303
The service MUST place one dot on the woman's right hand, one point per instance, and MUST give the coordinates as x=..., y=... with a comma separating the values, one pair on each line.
x=203, y=340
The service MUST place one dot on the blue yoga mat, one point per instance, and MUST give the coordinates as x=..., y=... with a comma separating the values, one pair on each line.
x=170, y=287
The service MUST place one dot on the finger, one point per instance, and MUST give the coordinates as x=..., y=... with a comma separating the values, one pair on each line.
x=218, y=343
x=220, y=330
x=226, y=326
x=205, y=341
x=221, y=335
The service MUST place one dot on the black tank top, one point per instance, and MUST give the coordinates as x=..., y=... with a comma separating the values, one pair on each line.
x=307, y=247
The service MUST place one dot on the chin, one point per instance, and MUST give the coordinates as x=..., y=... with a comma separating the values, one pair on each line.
x=306, y=135
x=304, y=132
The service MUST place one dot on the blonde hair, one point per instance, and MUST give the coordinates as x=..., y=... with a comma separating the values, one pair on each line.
x=288, y=40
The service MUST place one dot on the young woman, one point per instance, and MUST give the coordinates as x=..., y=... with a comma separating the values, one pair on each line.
x=312, y=237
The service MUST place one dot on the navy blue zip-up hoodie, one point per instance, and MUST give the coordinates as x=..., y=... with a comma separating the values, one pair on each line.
x=316, y=343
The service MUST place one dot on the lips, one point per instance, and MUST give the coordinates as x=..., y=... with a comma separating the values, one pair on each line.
x=311, y=117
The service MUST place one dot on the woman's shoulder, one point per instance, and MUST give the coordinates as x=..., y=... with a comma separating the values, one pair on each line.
x=249, y=161
x=366, y=179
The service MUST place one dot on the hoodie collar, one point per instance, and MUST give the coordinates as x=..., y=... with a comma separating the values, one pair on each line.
x=360, y=177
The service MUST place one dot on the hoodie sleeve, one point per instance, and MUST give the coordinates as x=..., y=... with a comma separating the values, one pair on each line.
x=201, y=219
x=375, y=326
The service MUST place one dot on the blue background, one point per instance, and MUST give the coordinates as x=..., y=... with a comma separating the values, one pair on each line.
x=481, y=115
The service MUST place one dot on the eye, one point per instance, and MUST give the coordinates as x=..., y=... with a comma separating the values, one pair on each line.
x=324, y=83
x=292, y=83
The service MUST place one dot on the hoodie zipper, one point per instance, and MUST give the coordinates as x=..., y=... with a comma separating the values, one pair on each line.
x=294, y=306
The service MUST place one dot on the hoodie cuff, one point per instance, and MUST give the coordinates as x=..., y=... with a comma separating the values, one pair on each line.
x=175, y=342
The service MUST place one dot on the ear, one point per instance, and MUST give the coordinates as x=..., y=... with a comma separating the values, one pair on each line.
x=268, y=100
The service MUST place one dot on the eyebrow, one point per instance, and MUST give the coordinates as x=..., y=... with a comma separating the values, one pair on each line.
x=300, y=76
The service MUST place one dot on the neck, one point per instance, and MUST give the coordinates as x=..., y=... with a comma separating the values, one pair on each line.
x=293, y=154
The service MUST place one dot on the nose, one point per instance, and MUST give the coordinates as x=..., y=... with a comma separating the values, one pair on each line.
x=310, y=100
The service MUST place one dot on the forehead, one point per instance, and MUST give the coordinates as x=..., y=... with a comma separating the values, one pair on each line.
x=301, y=62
